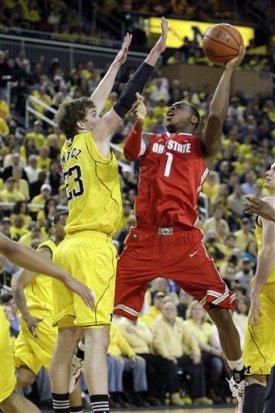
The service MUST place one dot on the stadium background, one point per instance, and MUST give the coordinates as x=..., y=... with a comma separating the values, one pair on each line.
x=48, y=55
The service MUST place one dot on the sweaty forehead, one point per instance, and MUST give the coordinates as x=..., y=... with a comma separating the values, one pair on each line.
x=180, y=105
x=273, y=166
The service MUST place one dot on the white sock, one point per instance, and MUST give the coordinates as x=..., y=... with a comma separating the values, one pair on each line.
x=236, y=365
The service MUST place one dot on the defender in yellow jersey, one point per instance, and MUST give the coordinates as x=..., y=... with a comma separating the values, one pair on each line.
x=36, y=341
x=92, y=186
x=259, y=344
x=11, y=402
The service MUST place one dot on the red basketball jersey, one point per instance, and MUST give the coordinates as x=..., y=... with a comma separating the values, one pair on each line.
x=172, y=171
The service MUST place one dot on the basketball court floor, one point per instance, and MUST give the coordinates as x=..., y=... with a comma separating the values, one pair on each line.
x=217, y=409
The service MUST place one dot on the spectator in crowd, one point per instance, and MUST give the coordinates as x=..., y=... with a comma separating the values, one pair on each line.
x=18, y=228
x=32, y=169
x=161, y=374
x=20, y=209
x=235, y=201
x=5, y=226
x=21, y=184
x=245, y=275
x=45, y=193
x=15, y=161
x=154, y=310
x=198, y=322
x=244, y=234
x=173, y=340
x=35, y=187
x=184, y=301
x=37, y=135
x=131, y=362
x=212, y=222
x=10, y=193
x=46, y=215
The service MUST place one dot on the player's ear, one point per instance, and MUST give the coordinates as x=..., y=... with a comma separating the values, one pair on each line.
x=81, y=125
x=194, y=120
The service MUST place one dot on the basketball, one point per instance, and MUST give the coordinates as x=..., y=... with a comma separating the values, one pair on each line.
x=221, y=43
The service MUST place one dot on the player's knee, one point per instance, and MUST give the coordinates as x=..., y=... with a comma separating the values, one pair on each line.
x=97, y=339
x=222, y=318
x=24, y=378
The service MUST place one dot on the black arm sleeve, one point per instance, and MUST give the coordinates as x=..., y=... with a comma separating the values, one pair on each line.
x=134, y=85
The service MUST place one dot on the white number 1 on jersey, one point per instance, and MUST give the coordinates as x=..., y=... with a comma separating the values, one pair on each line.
x=168, y=164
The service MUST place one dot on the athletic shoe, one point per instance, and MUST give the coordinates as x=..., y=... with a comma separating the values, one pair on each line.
x=237, y=389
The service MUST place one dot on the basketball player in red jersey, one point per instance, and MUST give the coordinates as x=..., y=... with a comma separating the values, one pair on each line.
x=166, y=241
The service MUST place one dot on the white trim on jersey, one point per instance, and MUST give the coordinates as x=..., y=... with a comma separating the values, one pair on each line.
x=126, y=309
x=204, y=175
x=142, y=148
x=219, y=296
x=233, y=298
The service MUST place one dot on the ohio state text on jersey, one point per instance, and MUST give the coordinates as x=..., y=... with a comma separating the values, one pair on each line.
x=172, y=171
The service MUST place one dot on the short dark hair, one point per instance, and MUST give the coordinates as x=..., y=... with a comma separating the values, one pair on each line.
x=59, y=215
x=72, y=112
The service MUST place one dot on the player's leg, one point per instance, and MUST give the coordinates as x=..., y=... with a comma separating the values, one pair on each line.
x=230, y=343
x=61, y=367
x=95, y=366
x=139, y=264
x=259, y=352
x=76, y=400
x=10, y=402
x=228, y=334
x=15, y=403
x=270, y=393
x=200, y=278
x=197, y=275
x=25, y=377
x=254, y=394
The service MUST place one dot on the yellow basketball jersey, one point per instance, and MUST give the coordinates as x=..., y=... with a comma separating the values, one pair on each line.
x=7, y=368
x=92, y=186
x=39, y=291
x=259, y=237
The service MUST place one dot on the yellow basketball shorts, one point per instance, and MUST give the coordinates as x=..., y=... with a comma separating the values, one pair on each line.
x=259, y=343
x=36, y=352
x=7, y=368
x=90, y=257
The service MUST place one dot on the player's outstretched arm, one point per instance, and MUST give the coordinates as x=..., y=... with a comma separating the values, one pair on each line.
x=136, y=141
x=265, y=264
x=18, y=286
x=259, y=207
x=160, y=45
x=211, y=135
x=102, y=91
x=32, y=260
x=110, y=121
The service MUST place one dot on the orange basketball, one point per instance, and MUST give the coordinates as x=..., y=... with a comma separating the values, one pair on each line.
x=221, y=43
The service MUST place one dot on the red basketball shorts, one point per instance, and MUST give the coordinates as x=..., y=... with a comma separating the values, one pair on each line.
x=181, y=257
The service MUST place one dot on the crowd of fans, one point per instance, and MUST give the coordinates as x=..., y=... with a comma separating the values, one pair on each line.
x=53, y=16
x=103, y=22
x=32, y=190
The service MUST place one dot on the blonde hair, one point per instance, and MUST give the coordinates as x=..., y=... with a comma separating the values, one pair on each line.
x=190, y=308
